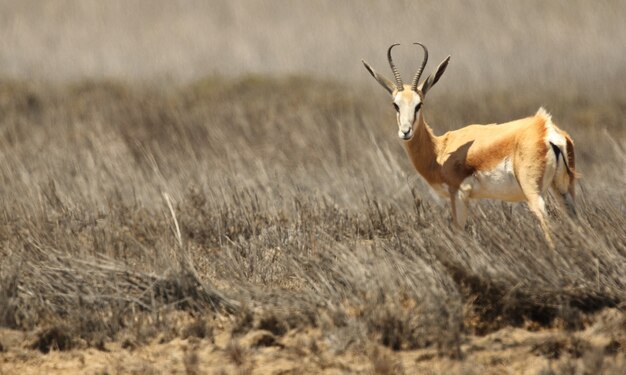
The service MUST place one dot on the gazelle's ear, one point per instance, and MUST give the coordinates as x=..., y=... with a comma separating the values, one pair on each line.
x=384, y=82
x=434, y=76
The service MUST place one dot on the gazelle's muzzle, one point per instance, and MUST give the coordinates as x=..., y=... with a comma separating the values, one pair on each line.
x=405, y=132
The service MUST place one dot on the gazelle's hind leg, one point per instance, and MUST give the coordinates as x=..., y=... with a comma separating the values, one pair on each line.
x=566, y=199
x=536, y=204
x=570, y=197
x=563, y=185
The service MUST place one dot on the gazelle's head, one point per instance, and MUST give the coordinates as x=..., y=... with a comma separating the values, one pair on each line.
x=408, y=99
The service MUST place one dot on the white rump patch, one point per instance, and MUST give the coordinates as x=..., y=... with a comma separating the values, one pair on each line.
x=555, y=170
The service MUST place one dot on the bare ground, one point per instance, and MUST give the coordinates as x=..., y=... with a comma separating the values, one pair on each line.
x=507, y=351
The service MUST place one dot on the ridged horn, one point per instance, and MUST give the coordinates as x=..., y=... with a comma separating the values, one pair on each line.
x=421, y=68
x=396, y=74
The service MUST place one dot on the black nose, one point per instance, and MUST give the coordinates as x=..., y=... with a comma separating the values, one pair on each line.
x=406, y=132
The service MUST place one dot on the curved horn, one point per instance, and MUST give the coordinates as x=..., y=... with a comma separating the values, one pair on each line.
x=396, y=74
x=421, y=68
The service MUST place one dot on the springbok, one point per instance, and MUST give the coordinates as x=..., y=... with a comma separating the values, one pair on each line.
x=514, y=161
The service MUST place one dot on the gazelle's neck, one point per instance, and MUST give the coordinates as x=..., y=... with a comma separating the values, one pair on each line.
x=423, y=149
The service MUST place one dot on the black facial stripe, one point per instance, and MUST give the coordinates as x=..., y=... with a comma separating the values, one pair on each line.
x=396, y=107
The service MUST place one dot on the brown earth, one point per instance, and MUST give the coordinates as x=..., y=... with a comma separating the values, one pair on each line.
x=596, y=349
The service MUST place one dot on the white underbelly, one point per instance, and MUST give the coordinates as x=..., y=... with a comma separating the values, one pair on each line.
x=498, y=183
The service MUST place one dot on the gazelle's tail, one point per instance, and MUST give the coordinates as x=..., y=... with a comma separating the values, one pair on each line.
x=565, y=176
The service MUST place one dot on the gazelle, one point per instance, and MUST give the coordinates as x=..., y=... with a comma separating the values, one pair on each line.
x=514, y=161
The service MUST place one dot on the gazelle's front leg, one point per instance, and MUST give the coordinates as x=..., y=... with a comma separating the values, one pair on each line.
x=458, y=203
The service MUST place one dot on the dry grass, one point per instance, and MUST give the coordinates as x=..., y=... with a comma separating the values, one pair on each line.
x=294, y=208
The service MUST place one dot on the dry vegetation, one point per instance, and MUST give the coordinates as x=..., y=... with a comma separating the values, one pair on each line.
x=155, y=221
x=297, y=228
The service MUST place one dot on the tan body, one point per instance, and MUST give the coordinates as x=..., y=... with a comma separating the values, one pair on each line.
x=514, y=161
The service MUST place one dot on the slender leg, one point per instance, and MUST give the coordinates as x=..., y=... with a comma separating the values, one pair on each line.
x=570, y=198
x=565, y=201
x=564, y=187
x=453, y=206
x=463, y=196
x=458, y=203
x=537, y=206
x=531, y=183
x=461, y=210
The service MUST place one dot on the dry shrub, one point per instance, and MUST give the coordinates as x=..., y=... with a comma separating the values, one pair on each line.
x=396, y=329
x=384, y=363
x=593, y=362
x=244, y=322
x=115, y=299
x=191, y=362
x=235, y=352
x=199, y=328
x=58, y=337
x=554, y=347
x=273, y=324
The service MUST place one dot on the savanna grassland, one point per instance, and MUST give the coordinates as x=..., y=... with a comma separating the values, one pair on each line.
x=272, y=223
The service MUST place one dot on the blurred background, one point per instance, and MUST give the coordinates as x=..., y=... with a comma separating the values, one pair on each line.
x=574, y=44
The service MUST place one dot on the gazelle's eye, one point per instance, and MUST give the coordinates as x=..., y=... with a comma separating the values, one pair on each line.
x=396, y=107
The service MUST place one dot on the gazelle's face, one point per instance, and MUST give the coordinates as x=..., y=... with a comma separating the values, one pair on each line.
x=407, y=104
x=407, y=99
